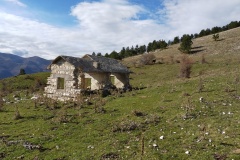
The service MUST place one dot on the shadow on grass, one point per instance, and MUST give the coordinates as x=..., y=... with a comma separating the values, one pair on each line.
x=196, y=51
x=220, y=39
x=197, y=47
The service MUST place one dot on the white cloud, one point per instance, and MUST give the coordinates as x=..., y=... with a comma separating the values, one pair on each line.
x=17, y=2
x=111, y=24
x=190, y=16
x=103, y=27
x=115, y=23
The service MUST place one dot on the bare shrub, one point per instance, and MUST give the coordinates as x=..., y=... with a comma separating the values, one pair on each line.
x=171, y=59
x=17, y=114
x=236, y=83
x=189, y=108
x=203, y=59
x=110, y=156
x=220, y=156
x=148, y=59
x=1, y=102
x=200, y=85
x=61, y=116
x=152, y=119
x=99, y=102
x=185, y=66
x=125, y=126
x=142, y=147
x=80, y=100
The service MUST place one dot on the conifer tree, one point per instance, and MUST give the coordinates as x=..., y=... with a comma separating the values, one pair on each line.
x=22, y=72
x=186, y=44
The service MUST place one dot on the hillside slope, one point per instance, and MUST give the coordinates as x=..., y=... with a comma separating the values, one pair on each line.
x=165, y=117
x=229, y=43
x=10, y=65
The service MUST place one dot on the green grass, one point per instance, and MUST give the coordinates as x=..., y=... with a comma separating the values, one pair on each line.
x=169, y=107
x=163, y=103
x=24, y=82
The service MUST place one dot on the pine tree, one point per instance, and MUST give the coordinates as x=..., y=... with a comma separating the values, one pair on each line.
x=215, y=37
x=22, y=72
x=186, y=44
x=176, y=40
x=122, y=53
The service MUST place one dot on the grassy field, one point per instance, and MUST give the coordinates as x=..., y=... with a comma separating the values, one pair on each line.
x=163, y=119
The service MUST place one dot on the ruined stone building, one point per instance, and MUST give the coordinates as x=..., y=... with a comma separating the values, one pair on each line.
x=70, y=75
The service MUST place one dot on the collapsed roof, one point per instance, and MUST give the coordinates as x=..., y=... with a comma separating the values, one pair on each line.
x=86, y=63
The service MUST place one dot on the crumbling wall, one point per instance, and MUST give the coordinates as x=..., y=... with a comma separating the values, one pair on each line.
x=120, y=79
x=97, y=80
x=64, y=70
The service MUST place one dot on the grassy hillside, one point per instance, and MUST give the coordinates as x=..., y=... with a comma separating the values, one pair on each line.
x=165, y=119
x=31, y=82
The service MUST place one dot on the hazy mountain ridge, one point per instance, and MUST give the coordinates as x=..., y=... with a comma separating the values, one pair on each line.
x=10, y=64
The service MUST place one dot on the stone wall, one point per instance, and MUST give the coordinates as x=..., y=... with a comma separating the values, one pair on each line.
x=64, y=70
x=72, y=81
x=120, y=80
x=97, y=79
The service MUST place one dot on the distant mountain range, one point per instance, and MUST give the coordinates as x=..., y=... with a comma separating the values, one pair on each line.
x=10, y=65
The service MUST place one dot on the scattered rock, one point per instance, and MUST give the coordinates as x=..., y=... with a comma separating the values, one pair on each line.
x=109, y=156
x=20, y=157
x=31, y=146
x=90, y=147
x=155, y=145
x=219, y=157
x=201, y=99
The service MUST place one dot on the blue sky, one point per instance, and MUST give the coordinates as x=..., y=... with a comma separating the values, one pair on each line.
x=48, y=28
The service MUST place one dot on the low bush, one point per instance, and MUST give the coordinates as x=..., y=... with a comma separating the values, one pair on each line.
x=185, y=66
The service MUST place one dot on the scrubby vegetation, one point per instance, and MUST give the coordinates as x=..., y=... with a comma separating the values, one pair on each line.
x=166, y=116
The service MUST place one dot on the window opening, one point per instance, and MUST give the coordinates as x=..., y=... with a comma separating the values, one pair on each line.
x=112, y=79
x=60, y=83
x=87, y=83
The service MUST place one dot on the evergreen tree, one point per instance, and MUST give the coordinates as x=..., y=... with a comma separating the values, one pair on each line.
x=22, y=72
x=208, y=31
x=224, y=28
x=107, y=55
x=162, y=44
x=216, y=30
x=122, y=53
x=114, y=55
x=142, y=49
x=186, y=43
x=133, y=51
x=233, y=24
x=149, y=47
x=192, y=36
x=154, y=45
x=176, y=40
x=215, y=37
x=127, y=52
x=196, y=35
x=137, y=49
x=202, y=33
